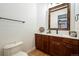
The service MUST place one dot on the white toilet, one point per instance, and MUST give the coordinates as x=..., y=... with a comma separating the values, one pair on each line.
x=14, y=49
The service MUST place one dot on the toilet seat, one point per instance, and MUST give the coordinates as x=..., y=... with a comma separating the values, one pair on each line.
x=21, y=53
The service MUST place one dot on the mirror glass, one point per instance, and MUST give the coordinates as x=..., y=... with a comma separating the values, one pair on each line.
x=59, y=17
x=76, y=12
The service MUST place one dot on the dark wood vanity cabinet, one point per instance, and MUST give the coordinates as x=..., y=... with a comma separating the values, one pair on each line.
x=57, y=46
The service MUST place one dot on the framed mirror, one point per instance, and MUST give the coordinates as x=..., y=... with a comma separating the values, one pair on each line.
x=59, y=17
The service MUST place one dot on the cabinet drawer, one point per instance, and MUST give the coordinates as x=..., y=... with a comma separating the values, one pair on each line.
x=71, y=41
x=53, y=38
x=68, y=45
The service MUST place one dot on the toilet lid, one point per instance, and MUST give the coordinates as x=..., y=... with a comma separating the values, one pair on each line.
x=20, y=54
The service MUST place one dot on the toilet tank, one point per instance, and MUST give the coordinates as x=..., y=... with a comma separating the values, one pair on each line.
x=12, y=48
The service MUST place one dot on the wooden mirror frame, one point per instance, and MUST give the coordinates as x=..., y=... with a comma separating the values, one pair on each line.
x=61, y=6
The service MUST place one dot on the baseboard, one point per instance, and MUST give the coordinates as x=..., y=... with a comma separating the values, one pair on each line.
x=30, y=49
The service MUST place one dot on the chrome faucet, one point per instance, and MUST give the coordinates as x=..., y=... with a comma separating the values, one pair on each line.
x=56, y=31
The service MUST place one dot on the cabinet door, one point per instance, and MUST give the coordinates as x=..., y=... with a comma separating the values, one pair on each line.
x=56, y=47
x=68, y=51
x=45, y=40
x=38, y=41
x=71, y=46
x=75, y=50
x=52, y=48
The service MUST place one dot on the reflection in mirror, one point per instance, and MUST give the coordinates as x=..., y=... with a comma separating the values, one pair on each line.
x=62, y=21
x=58, y=18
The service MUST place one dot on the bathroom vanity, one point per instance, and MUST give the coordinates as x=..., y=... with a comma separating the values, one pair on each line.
x=56, y=45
